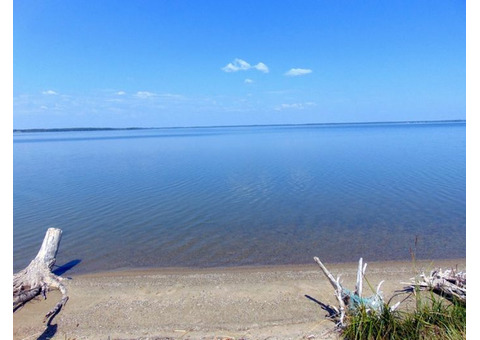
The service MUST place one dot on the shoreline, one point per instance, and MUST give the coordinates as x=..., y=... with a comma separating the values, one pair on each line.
x=250, y=268
x=74, y=129
x=275, y=302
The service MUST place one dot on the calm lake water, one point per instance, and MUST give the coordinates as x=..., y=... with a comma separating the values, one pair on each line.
x=205, y=197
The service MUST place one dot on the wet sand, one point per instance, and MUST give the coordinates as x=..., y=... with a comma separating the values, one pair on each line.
x=276, y=302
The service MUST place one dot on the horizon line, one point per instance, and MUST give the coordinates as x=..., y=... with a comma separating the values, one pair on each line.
x=230, y=126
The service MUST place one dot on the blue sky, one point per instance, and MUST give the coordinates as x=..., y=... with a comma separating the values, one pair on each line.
x=199, y=63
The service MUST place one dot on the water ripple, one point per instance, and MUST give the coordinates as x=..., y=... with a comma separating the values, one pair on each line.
x=265, y=197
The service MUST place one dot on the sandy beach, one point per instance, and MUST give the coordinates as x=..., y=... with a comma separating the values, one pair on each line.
x=275, y=302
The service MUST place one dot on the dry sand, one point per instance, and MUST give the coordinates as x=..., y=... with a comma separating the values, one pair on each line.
x=228, y=303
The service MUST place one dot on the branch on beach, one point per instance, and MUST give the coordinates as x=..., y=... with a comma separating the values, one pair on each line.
x=37, y=278
x=348, y=301
x=450, y=284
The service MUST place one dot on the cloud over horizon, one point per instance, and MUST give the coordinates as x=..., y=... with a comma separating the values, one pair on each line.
x=242, y=65
x=294, y=72
x=295, y=106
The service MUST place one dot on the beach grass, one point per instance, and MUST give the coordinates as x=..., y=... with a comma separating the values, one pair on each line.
x=431, y=318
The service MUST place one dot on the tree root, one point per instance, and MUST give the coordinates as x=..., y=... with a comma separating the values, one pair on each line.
x=37, y=278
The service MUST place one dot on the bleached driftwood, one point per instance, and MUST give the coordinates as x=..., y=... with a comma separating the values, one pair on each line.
x=37, y=278
x=449, y=284
x=348, y=301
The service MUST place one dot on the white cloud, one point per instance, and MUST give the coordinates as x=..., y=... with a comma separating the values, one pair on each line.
x=289, y=106
x=121, y=93
x=49, y=92
x=294, y=106
x=298, y=72
x=262, y=67
x=248, y=81
x=242, y=65
x=237, y=65
x=145, y=94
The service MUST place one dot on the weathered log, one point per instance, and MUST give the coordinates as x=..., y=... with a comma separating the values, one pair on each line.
x=37, y=278
x=449, y=284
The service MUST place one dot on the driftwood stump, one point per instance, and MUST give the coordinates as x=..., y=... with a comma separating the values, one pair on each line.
x=37, y=278
x=352, y=301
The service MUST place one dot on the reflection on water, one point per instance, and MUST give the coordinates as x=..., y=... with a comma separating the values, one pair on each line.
x=241, y=196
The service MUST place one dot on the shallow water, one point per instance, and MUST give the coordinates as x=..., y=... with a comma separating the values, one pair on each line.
x=206, y=197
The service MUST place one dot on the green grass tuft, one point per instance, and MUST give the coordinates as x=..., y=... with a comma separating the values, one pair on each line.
x=432, y=318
